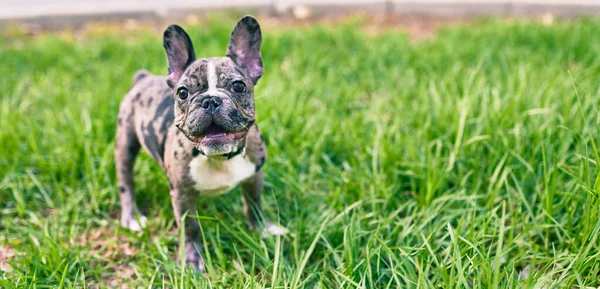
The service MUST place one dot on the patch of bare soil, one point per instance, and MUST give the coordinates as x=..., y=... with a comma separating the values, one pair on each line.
x=418, y=26
x=6, y=253
x=107, y=247
x=104, y=242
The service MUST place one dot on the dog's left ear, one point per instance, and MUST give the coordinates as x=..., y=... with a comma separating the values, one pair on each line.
x=180, y=52
x=244, y=47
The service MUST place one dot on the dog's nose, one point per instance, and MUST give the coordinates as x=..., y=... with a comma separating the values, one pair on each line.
x=211, y=103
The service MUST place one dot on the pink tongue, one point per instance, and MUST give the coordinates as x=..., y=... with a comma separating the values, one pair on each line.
x=214, y=130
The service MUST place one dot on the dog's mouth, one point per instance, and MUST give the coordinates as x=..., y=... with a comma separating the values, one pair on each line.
x=215, y=131
x=217, y=134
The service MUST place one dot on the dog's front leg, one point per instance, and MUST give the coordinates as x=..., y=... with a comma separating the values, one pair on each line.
x=185, y=204
x=252, y=190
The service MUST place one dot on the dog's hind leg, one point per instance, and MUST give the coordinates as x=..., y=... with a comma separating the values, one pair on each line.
x=127, y=148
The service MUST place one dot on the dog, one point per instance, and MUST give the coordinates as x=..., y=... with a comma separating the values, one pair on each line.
x=199, y=124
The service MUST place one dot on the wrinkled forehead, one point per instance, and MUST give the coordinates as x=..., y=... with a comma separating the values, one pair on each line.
x=213, y=71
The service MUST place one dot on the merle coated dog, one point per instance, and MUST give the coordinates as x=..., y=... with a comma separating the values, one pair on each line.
x=199, y=124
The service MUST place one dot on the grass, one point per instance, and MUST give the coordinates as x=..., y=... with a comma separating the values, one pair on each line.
x=466, y=160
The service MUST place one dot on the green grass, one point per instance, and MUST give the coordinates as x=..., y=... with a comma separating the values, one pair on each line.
x=447, y=163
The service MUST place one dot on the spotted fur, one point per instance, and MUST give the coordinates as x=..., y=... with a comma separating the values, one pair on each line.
x=173, y=130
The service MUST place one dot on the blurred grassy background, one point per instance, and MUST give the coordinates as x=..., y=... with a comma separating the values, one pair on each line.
x=466, y=160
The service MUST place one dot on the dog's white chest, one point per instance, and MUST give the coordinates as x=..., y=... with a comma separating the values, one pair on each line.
x=215, y=177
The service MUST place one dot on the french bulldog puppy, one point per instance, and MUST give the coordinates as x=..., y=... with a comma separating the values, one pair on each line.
x=199, y=124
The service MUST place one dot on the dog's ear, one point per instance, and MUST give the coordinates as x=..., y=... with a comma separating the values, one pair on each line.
x=180, y=52
x=244, y=47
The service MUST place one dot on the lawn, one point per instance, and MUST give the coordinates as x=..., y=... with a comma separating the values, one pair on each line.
x=465, y=160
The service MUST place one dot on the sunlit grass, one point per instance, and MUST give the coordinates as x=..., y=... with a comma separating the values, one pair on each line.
x=461, y=161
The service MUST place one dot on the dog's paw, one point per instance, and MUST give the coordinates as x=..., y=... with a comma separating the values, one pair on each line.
x=196, y=264
x=193, y=258
x=134, y=224
x=273, y=230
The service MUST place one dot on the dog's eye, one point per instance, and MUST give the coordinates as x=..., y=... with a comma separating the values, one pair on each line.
x=238, y=87
x=182, y=93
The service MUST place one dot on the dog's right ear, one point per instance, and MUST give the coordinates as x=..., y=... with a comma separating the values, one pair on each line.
x=180, y=52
